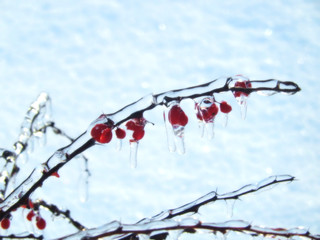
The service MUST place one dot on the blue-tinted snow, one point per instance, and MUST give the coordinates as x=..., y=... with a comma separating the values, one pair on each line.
x=94, y=57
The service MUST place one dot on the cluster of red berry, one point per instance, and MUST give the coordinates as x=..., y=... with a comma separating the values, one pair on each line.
x=206, y=111
x=137, y=126
x=40, y=222
x=102, y=133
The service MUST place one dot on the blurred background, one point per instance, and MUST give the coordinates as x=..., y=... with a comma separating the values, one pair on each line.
x=95, y=57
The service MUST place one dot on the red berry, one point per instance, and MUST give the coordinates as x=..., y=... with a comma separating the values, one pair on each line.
x=206, y=113
x=97, y=130
x=55, y=174
x=225, y=107
x=120, y=133
x=138, y=134
x=131, y=125
x=136, y=123
x=30, y=203
x=41, y=223
x=242, y=84
x=106, y=136
x=30, y=215
x=177, y=116
x=137, y=126
x=5, y=223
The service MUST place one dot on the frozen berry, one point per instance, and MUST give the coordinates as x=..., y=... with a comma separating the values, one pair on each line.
x=177, y=116
x=120, y=133
x=206, y=113
x=138, y=134
x=225, y=107
x=131, y=125
x=97, y=130
x=242, y=84
x=41, y=223
x=5, y=223
x=106, y=136
x=30, y=215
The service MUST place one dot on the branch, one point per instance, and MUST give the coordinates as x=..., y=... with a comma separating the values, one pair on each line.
x=164, y=221
x=189, y=225
x=62, y=156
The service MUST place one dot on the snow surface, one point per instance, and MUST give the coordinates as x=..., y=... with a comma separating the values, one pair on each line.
x=96, y=56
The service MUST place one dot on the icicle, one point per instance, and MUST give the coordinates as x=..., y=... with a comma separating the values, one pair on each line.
x=230, y=207
x=169, y=133
x=178, y=120
x=133, y=153
x=206, y=110
x=83, y=183
x=209, y=129
x=119, y=145
x=174, y=234
x=225, y=108
x=143, y=237
x=225, y=122
x=242, y=100
x=241, y=97
x=178, y=132
x=83, y=186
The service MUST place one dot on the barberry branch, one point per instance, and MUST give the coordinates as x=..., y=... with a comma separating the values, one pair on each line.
x=58, y=212
x=175, y=219
x=37, y=122
x=161, y=229
x=36, y=179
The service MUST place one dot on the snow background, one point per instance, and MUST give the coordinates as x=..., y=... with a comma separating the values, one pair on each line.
x=95, y=57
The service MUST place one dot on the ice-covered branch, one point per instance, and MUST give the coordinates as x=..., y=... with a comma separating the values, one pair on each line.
x=175, y=219
x=213, y=196
x=265, y=87
x=58, y=212
x=160, y=230
x=101, y=129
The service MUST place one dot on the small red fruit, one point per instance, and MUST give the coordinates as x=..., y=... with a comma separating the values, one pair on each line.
x=5, y=223
x=97, y=130
x=30, y=215
x=177, y=116
x=131, y=125
x=120, y=133
x=106, y=136
x=206, y=113
x=55, y=174
x=137, y=126
x=101, y=133
x=225, y=107
x=138, y=134
x=41, y=223
x=242, y=84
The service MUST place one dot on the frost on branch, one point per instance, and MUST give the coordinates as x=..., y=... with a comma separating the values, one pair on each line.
x=128, y=124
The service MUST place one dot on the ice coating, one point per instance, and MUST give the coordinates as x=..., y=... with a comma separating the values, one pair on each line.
x=34, y=124
x=36, y=120
x=219, y=85
x=37, y=116
x=116, y=230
